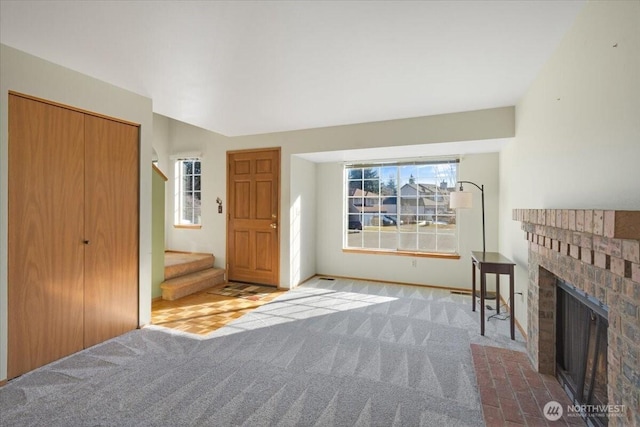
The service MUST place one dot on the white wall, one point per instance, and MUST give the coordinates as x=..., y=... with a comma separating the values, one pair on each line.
x=577, y=141
x=161, y=140
x=479, y=168
x=211, y=238
x=161, y=146
x=303, y=220
x=467, y=126
x=33, y=76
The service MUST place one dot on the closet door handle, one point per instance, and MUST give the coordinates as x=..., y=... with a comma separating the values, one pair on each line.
x=86, y=242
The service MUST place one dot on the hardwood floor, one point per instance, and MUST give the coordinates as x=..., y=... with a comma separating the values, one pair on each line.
x=206, y=311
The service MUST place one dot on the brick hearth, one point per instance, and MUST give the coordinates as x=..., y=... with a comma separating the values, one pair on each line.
x=598, y=252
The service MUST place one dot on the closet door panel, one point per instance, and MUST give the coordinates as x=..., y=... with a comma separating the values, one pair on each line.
x=111, y=256
x=45, y=233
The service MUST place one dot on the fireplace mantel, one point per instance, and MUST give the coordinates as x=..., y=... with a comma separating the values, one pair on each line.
x=598, y=251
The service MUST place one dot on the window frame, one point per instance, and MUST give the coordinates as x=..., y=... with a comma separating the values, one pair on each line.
x=181, y=193
x=390, y=196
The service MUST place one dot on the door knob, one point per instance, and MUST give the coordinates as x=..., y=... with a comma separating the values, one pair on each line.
x=274, y=225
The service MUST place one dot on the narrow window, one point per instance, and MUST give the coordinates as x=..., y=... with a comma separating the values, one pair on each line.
x=188, y=192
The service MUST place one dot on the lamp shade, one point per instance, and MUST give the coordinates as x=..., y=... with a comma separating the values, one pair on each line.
x=461, y=200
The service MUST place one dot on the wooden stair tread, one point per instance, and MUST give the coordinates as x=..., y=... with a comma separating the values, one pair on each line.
x=188, y=284
x=191, y=277
x=182, y=263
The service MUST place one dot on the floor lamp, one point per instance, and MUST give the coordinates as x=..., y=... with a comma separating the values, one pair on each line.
x=464, y=199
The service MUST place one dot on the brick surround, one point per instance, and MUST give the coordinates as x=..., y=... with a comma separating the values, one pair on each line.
x=598, y=252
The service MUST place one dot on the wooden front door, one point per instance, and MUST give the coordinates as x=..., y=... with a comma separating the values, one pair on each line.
x=253, y=237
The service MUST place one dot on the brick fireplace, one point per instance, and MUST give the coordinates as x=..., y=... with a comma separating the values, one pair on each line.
x=598, y=252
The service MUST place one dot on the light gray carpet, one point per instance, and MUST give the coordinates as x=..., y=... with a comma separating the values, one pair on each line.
x=329, y=353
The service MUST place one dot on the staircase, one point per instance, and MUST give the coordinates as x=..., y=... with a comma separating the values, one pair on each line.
x=187, y=273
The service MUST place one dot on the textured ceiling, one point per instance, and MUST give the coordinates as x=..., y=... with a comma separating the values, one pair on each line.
x=246, y=67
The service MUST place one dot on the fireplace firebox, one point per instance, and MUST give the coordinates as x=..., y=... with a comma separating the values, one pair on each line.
x=581, y=351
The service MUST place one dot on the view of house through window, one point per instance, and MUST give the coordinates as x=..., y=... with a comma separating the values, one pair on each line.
x=401, y=206
x=188, y=192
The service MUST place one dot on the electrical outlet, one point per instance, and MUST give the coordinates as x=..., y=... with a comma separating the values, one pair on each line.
x=414, y=263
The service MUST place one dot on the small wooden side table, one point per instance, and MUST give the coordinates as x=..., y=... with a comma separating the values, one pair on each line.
x=492, y=263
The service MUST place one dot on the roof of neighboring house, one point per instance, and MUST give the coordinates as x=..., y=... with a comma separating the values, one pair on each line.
x=428, y=202
x=425, y=189
x=429, y=194
x=357, y=192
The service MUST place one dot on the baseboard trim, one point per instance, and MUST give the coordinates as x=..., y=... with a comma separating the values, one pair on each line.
x=391, y=282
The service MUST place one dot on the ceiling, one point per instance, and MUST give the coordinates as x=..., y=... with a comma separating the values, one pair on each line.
x=250, y=67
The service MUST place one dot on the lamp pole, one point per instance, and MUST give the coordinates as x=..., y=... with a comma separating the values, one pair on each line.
x=481, y=188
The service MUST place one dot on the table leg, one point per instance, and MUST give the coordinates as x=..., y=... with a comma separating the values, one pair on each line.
x=483, y=289
x=497, y=293
x=512, y=304
x=473, y=286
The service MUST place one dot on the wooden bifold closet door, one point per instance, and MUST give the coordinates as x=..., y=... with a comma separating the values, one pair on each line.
x=73, y=231
x=111, y=227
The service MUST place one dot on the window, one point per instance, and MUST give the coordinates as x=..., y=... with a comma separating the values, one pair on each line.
x=188, y=192
x=401, y=207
